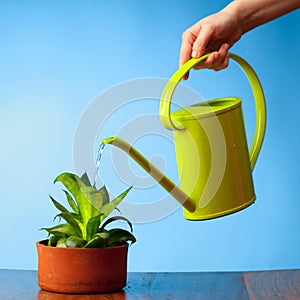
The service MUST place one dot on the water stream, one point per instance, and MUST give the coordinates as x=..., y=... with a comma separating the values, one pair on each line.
x=100, y=152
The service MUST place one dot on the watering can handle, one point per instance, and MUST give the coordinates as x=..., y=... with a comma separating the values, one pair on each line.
x=260, y=107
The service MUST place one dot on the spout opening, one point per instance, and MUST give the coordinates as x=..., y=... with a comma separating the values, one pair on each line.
x=109, y=140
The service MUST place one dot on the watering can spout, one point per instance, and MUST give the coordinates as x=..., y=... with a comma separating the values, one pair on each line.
x=162, y=179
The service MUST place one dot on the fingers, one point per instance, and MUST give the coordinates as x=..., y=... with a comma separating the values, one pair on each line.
x=223, y=64
x=186, y=48
x=196, y=41
x=217, y=60
x=200, y=45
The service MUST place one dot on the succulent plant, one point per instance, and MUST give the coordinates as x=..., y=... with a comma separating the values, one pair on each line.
x=85, y=224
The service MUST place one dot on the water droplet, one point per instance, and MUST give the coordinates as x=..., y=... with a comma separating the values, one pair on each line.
x=100, y=151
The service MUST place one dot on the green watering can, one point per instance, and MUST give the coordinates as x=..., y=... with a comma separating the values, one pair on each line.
x=214, y=163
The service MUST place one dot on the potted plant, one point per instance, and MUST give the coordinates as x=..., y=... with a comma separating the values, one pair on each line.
x=81, y=255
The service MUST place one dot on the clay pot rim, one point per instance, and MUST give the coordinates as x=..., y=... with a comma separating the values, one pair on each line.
x=41, y=243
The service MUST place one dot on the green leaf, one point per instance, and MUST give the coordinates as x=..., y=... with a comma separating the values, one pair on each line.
x=95, y=242
x=85, y=179
x=94, y=198
x=118, y=236
x=61, y=243
x=75, y=242
x=53, y=240
x=61, y=230
x=74, y=184
x=105, y=197
x=74, y=221
x=109, y=207
x=71, y=202
x=116, y=218
x=92, y=226
x=58, y=205
x=99, y=240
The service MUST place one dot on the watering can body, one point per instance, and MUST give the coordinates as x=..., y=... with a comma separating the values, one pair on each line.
x=214, y=162
x=213, y=158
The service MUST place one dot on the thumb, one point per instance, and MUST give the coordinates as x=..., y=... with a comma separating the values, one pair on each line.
x=201, y=42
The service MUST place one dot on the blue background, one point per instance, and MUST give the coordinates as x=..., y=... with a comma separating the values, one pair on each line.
x=56, y=56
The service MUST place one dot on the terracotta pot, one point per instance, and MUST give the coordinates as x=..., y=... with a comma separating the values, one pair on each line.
x=81, y=270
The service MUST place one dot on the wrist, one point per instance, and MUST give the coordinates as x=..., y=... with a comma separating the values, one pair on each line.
x=242, y=14
x=253, y=13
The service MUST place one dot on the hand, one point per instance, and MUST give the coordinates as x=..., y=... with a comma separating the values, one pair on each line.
x=215, y=33
x=218, y=32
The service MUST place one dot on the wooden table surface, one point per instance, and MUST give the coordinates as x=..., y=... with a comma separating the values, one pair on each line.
x=283, y=284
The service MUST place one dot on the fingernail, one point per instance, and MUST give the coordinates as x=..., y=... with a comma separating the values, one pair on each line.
x=194, y=53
